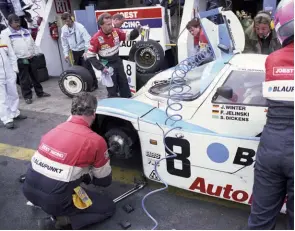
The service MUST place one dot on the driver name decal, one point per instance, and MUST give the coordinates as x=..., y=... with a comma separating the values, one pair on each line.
x=229, y=112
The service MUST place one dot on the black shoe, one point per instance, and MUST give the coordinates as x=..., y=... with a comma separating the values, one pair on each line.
x=46, y=224
x=22, y=178
x=29, y=101
x=44, y=95
x=9, y=125
x=20, y=117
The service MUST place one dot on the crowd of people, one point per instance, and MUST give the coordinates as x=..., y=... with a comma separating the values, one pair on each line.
x=82, y=155
x=260, y=36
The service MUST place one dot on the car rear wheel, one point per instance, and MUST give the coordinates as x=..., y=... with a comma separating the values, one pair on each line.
x=75, y=80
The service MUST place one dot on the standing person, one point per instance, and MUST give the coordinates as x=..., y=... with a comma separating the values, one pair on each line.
x=118, y=20
x=106, y=43
x=59, y=166
x=25, y=50
x=9, y=99
x=260, y=38
x=274, y=167
x=75, y=37
x=8, y=7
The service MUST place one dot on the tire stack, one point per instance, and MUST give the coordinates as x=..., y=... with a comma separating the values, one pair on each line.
x=149, y=57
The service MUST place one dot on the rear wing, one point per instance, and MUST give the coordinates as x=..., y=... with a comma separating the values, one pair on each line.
x=226, y=38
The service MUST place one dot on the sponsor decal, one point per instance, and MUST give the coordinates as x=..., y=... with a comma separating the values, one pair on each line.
x=136, y=17
x=52, y=152
x=105, y=46
x=154, y=176
x=283, y=70
x=153, y=155
x=128, y=43
x=281, y=89
x=100, y=39
x=48, y=167
x=226, y=192
x=153, y=162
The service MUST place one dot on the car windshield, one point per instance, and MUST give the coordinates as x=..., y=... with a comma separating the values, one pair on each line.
x=190, y=88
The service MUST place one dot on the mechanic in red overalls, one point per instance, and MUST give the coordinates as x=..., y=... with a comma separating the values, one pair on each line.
x=106, y=43
x=68, y=155
x=200, y=40
x=274, y=167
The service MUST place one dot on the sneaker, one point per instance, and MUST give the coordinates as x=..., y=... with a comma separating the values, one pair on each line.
x=44, y=95
x=29, y=101
x=20, y=117
x=9, y=125
x=46, y=224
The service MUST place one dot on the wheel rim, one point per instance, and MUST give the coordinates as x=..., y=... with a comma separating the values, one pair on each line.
x=120, y=142
x=73, y=84
x=145, y=57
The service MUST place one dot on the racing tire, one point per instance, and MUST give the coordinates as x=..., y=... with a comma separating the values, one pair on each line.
x=149, y=56
x=142, y=79
x=75, y=80
x=121, y=138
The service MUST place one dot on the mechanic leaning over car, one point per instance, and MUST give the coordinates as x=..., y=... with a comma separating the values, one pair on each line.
x=260, y=37
x=274, y=166
x=26, y=51
x=9, y=99
x=75, y=37
x=68, y=155
x=106, y=43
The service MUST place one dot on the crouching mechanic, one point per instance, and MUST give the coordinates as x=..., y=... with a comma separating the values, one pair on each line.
x=68, y=155
x=274, y=167
x=106, y=43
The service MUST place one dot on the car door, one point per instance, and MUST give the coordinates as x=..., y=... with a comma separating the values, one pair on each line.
x=244, y=113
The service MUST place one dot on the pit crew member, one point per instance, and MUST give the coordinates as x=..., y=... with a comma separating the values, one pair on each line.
x=68, y=155
x=200, y=40
x=9, y=99
x=106, y=43
x=260, y=38
x=118, y=20
x=25, y=50
x=274, y=167
x=75, y=37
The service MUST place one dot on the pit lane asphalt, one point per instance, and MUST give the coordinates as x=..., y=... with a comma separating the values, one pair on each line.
x=171, y=210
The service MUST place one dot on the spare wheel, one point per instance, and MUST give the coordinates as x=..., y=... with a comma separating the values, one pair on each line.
x=75, y=80
x=148, y=55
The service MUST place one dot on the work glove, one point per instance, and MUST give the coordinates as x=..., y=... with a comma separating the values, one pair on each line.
x=109, y=71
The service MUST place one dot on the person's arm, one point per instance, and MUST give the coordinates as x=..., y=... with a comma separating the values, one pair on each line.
x=36, y=49
x=101, y=170
x=91, y=53
x=64, y=43
x=11, y=54
x=248, y=46
x=86, y=37
x=123, y=36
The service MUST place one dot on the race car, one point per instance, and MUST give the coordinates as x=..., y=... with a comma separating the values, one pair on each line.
x=213, y=127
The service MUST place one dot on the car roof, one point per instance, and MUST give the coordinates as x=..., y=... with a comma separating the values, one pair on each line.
x=249, y=61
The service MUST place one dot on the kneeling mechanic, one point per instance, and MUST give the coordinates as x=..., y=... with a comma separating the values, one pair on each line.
x=68, y=155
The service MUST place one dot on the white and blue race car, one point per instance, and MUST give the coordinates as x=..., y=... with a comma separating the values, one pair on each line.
x=223, y=116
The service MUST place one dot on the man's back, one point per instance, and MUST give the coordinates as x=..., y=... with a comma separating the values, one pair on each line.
x=65, y=155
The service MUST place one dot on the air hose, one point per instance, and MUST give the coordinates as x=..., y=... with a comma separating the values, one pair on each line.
x=178, y=90
x=38, y=7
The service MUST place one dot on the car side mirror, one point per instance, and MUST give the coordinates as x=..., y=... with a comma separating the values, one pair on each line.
x=226, y=92
x=224, y=48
